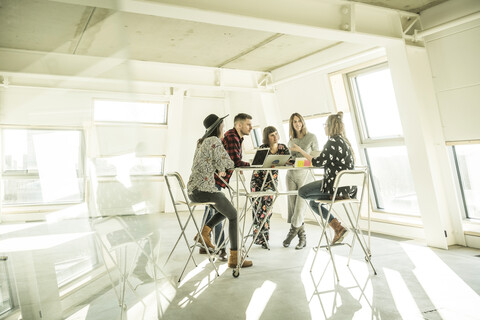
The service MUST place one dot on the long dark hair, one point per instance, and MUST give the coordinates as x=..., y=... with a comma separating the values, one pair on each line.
x=214, y=133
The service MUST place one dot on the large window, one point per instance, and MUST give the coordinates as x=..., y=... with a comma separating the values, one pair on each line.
x=130, y=111
x=42, y=166
x=391, y=179
x=381, y=140
x=467, y=158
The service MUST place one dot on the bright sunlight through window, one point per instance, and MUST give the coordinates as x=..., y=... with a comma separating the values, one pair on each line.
x=42, y=166
x=467, y=158
x=126, y=111
x=376, y=100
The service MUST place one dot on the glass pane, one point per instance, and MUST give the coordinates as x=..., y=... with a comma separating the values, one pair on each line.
x=5, y=299
x=42, y=166
x=257, y=137
x=392, y=180
x=378, y=106
x=21, y=191
x=124, y=111
x=75, y=259
x=129, y=165
x=18, y=151
x=468, y=157
x=316, y=126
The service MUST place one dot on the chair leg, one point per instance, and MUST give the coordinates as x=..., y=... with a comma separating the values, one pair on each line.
x=357, y=232
x=182, y=227
x=192, y=248
x=329, y=248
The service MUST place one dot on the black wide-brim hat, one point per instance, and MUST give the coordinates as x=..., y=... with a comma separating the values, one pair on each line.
x=211, y=122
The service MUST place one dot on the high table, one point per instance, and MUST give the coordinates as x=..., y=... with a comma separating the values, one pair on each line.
x=241, y=188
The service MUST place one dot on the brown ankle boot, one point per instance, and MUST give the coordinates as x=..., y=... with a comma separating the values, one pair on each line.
x=233, y=260
x=340, y=232
x=206, y=237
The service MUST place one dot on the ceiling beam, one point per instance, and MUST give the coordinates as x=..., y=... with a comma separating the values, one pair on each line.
x=337, y=56
x=334, y=20
x=30, y=68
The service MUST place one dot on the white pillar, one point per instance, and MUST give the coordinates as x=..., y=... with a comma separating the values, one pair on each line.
x=418, y=109
x=173, y=161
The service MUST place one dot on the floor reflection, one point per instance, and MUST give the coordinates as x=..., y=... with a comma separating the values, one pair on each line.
x=85, y=269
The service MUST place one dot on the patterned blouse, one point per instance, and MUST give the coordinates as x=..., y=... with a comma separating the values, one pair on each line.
x=209, y=157
x=335, y=157
x=258, y=176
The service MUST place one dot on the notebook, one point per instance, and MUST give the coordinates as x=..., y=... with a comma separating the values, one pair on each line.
x=259, y=158
x=276, y=160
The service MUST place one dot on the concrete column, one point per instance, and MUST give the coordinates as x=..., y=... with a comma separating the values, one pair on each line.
x=418, y=109
x=175, y=132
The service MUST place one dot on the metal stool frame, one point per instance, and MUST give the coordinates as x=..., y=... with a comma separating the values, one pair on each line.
x=353, y=178
x=185, y=201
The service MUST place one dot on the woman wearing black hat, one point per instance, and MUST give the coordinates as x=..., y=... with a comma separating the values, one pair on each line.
x=210, y=157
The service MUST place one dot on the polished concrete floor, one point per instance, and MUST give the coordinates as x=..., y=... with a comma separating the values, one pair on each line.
x=412, y=282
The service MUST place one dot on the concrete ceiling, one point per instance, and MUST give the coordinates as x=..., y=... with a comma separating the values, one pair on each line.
x=415, y=6
x=50, y=26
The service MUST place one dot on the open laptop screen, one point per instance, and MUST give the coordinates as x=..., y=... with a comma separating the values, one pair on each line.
x=260, y=156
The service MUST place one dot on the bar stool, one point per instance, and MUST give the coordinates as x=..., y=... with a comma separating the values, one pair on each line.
x=175, y=183
x=350, y=214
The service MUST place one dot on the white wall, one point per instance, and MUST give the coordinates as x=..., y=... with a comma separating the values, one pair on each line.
x=454, y=60
x=195, y=111
x=308, y=96
x=38, y=106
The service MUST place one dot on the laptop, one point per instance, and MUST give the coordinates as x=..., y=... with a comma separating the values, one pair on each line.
x=259, y=158
x=276, y=160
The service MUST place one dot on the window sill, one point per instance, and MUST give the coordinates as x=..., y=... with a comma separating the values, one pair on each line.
x=471, y=228
x=397, y=219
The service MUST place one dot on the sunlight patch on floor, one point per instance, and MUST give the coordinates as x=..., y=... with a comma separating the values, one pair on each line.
x=453, y=298
x=259, y=300
x=202, y=284
x=402, y=297
x=350, y=298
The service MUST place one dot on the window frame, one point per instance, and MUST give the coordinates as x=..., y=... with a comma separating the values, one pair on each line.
x=364, y=142
x=256, y=137
x=165, y=102
x=459, y=185
x=107, y=177
x=34, y=174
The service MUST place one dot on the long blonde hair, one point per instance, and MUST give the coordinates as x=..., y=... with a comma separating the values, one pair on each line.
x=335, y=127
x=292, y=132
